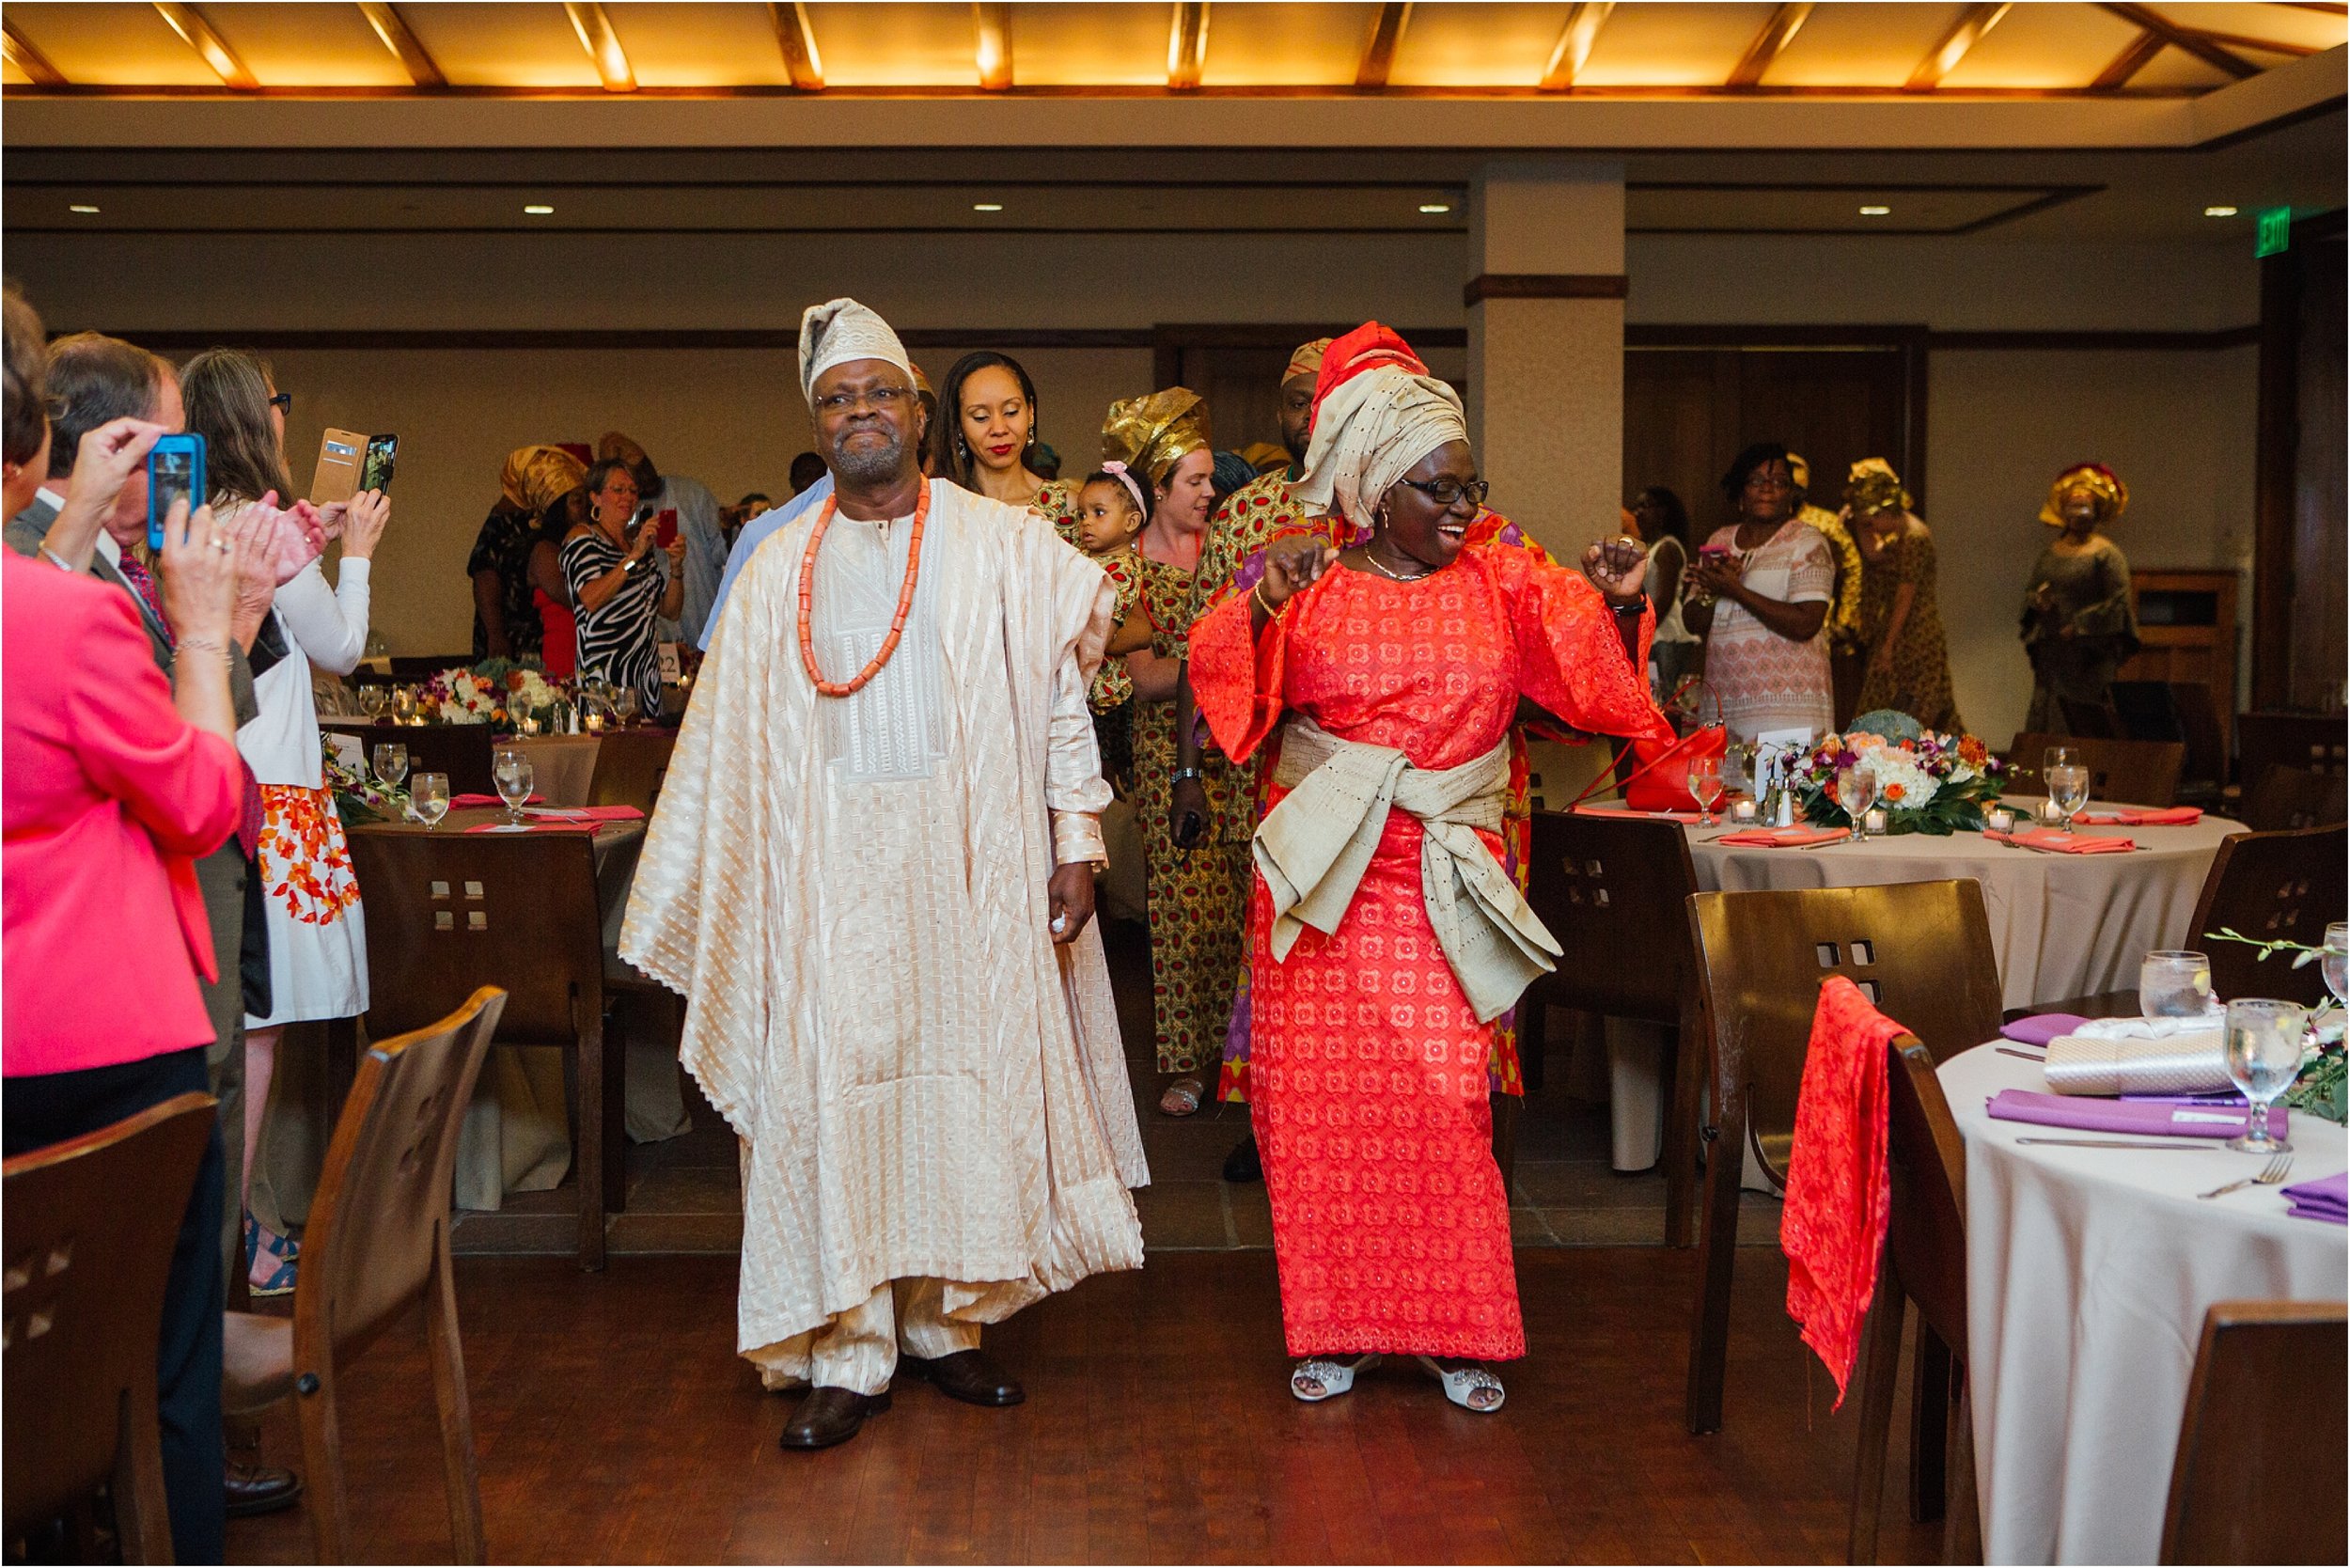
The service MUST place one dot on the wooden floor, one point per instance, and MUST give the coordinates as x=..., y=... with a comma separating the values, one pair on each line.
x=615, y=1425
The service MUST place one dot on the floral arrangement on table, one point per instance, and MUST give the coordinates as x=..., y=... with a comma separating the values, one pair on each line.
x=1931, y=782
x=527, y=687
x=2324, y=1086
x=460, y=696
x=359, y=796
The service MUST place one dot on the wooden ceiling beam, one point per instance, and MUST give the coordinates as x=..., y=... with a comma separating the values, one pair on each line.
x=1575, y=39
x=26, y=59
x=797, y=41
x=1187, y=44
x=1386, y=37
x=393, y=28
x=2188, y=38
x=2273, y=46
x=1777, y=34
x=594, y=27
x=1963, y=35
x=993, y=22
x=2136, y=55
x=196, y=30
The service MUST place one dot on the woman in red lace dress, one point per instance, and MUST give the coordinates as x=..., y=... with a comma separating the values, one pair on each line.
x=1393, y=669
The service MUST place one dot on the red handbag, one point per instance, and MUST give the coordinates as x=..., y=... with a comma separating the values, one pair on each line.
x=1659, y=781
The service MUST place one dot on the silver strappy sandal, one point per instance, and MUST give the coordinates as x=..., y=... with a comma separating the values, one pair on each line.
x=1463, y=1385
x=1335, y=1377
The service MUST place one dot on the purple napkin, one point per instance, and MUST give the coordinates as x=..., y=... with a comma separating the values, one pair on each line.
x=2041, y=1027
x=2327, y=1198
x=2110, y=1116
x=2211, y=1097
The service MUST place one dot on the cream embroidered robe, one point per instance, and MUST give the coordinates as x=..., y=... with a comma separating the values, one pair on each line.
x=851, y=893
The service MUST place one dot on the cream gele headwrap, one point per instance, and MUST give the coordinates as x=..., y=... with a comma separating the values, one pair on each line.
x=841, y=330
x=1377, y=412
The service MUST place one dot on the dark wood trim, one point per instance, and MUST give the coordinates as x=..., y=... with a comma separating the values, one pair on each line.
x=276, y=339
x=2194, y=41
x=196, y=31
x=2135, y=57
x=2276, y=460
x=30, y=60
x=2165, y=342
x=797, y=42
x=1954, y=45
x=414, y=59
x=1385, y=36
x=1575, y=38
x=1777, y=34
x=1747, y=335
x=1543, y=286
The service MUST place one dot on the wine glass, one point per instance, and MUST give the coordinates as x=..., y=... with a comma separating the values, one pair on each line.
x=371, y=700
x=1856, y=790
x=515, y=775
x=2263, y=1059
x=2068, y=791
x=428, y=797
x=391, y=762
x=1705, y=783
x=2336, y=963
x=403, y=703
x=2174, y=985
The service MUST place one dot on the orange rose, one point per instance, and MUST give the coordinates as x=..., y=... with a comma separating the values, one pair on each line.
x=1895, y=791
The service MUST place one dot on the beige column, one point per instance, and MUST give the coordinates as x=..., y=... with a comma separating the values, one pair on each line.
x=1545, y=341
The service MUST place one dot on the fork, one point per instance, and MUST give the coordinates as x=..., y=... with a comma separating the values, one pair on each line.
x=2270, y=1174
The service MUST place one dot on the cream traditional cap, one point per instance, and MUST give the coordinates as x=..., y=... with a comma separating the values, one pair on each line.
x=841, y=330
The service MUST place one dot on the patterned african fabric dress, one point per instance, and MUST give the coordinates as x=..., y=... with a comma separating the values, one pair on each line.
x=1370, y=1090
x=1112, y=693
x=1057, y=503
x=1504, y=1070
x=1765, y=681
x=1917, y=681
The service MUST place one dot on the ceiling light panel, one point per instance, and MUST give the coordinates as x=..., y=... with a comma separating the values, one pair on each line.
x=694, y=45
x=305, y=46
x=1673, y=45
x=503, y=45
x=1064, y=46
x=2043, y=46
x=112, y=45
x=888, y=44
x=1475, y=45
x=1859, y=45
x=1277, y=45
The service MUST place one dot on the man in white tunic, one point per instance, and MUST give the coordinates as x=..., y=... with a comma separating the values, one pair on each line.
x=872, y=875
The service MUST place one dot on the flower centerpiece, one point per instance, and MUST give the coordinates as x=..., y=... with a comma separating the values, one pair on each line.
x=1926, y=783
x=359, y=796
x=2324, y=1086
x=526, y=689
x=460, y=696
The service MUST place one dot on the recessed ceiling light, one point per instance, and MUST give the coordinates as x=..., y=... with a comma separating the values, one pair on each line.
x=1876, y=212
x=539, y=210
x=1433, y=207
x=2220, y=212
x=987, y=207
x=81, y=207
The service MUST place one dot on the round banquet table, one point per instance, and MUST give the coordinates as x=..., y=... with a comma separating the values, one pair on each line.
x=2062, y=925
x=2088, y=1274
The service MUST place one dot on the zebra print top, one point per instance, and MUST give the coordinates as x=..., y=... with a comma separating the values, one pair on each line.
x=617, y=641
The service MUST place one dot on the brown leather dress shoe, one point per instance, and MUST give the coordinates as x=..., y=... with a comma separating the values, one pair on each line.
x=969, y=1375
x=830, y=1417
x=260, y=1489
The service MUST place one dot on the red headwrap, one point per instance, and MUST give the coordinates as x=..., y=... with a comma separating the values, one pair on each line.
x=1367, y=345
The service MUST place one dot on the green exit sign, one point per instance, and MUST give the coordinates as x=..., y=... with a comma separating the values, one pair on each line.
x=2275, y=232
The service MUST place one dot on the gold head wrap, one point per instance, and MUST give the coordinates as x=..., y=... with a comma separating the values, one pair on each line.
x=537, y=477
x=1873, y=487
x=612, y=446
x=2113, y=496
x=1156, y=432
x=1798, y=471
x=1307, y=361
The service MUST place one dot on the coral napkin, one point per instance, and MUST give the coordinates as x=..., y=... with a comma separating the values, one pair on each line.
x=1626, y=811
x=1784, y=838
x=2138, y=1119
x=459, y=803
x=591, y=813
x=2144, y=816
x=2056, y=841
x=1838, y=1195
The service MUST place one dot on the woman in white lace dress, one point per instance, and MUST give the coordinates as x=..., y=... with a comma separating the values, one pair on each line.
x=1758, y=592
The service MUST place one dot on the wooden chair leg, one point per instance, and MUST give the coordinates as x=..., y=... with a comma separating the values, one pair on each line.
x=592, y=1153
x=615, y=1120
x=1718, y=1251
x=1962, y=1524
x=322, y=1462
x=1880, y=1367
x=1507, y=1108
x=1929, y=1427
x=1682, y=1113
x=142, y=1511
x=448, y=1354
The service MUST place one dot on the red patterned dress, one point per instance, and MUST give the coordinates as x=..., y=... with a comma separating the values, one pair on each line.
x=1369, y=1084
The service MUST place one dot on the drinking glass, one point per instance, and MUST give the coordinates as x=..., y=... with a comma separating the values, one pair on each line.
x=1705, y=782
x=2337, y=960
x=428, y=797
x=2174, y=985
x=371, y=699
x=391, y=762
x=1856, y=792
x=403, y=703
x=2059, y=756
x=515, y=775
x=2068, y=791
x=2263, y=1059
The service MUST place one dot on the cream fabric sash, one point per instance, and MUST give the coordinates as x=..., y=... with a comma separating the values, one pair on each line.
x=1314, y=847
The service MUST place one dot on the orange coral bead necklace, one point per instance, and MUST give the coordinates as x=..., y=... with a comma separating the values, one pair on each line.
x=896, y=622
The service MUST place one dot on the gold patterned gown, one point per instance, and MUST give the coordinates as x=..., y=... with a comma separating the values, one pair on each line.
x=1917, y=680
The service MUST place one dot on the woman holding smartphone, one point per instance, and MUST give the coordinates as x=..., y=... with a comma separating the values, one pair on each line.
x=618, y=587
x=1758, y=592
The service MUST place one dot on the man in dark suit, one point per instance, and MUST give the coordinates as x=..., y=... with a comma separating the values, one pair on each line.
x=95, y=384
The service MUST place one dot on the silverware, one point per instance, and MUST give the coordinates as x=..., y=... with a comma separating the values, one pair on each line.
x=2027, y=1056
x=2120, y=1143
x=2270, y=1175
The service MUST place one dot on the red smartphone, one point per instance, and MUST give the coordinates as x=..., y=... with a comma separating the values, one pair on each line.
x=1715, y=552
x=664, y=527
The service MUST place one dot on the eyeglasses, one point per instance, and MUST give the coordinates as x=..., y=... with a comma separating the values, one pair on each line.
x=282, y=403
x=883, y=399
x=1448, y=491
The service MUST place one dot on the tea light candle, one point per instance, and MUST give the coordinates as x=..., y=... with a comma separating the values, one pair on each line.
x=530, y=723
x=2048, y=812
x=595, y=724
x=1742, y=811
x=1876, y=818
x=2002, y=819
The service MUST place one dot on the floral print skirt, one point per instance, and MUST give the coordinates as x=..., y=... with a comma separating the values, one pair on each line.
x=318, y=937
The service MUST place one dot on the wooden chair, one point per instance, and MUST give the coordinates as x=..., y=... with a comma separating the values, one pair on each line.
x=631, y=766
x=2237, y=1442
x=2204, y=727
x=2293, y=798
x=375, y=1247
x=2127, y=773
x=1613, y=889
x=2316, y=741
x=1925, y=1264
x=460, y=750
x=2271, y=887
x=449, y=912
x=91, y=1226
x=1920, y=952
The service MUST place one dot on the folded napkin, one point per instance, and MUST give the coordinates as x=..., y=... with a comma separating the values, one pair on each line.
x=459, y=803
x=2327, y=1198
x=534, y=827
x=2041, y=1027
x=2055, y=841
x=591, y=813
x=1646, y=816
x=2136, y=1119
x=1785, y=838
x=2143, y=816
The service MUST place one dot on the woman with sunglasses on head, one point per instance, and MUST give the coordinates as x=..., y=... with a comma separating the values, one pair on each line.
x=1390, y=672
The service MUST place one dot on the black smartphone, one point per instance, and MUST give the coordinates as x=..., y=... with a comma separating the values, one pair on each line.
x=375, y=469
x=174, y=472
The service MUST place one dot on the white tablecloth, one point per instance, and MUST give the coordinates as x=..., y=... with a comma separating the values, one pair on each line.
x=2062, y=925
x=2088, y=1274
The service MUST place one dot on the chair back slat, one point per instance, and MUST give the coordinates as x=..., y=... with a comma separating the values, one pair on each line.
x=90, y=1228
x=2286, y=797
x=1612, y=888
x=631, y=767
x=2266, y=1402
x=383, y=1193
x=1927, y=1159
x=2122, y=773
x=460, y=750
x=1920, y=952
x=2284, y=887
x=449, y=913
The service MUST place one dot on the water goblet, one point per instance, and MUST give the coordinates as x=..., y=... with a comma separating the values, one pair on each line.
x=2174, y=985
x=403, y=703
x=2263, y=1057
x=515, y=775
x=1856, y=790
x=371, y=700
x=428, y=797
x=1705, y=783
x=2335, y=963
x=391, y=762
x=2068, y=791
